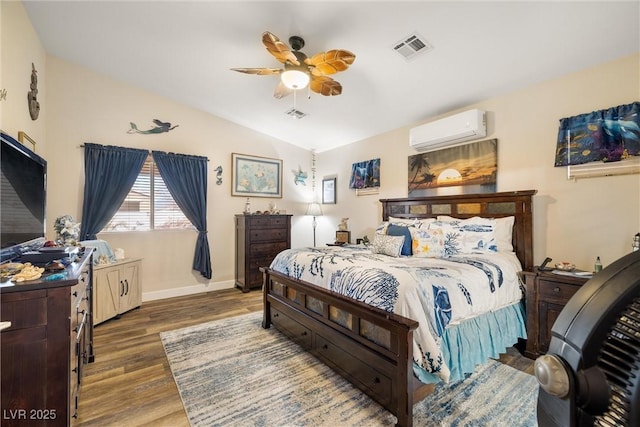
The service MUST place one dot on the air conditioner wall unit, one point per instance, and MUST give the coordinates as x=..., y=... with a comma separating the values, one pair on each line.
x=449, y=131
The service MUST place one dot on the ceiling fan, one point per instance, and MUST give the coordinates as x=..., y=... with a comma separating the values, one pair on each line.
x=299, y=70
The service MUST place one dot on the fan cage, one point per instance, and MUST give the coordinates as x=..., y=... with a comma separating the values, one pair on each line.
x=619, y=359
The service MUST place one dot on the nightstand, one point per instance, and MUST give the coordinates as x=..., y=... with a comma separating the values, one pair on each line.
x=546, y=295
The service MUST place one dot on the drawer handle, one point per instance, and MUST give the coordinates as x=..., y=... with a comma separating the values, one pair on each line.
x=75, y=293
x=304, y=334
x=325, y=347
x=376, y=380
x=275, y=315
x=556, y=289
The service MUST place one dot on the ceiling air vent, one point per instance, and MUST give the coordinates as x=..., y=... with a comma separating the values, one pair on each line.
x=412, y=45
x=295, y=113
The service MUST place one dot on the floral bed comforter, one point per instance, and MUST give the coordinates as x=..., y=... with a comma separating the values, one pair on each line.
x=436, y=292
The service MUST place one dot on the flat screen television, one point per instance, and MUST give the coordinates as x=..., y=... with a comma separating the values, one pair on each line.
x=23, y=191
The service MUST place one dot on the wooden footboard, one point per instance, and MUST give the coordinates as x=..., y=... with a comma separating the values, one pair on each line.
x=370, y=347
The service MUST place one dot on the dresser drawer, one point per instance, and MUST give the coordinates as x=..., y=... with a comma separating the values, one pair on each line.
x=556, y=290
x=268, y=221
x=24, y=309
x=255, y=278
x=267, y=250
x=268, y=234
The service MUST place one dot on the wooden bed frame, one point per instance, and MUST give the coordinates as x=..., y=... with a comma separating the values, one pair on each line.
x=337, y=329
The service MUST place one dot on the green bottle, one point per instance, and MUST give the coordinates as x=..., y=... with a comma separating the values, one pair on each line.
x=597, y=266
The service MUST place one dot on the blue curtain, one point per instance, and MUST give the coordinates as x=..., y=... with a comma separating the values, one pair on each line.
x=604, y=135
x=109, y=174
x=186, y=180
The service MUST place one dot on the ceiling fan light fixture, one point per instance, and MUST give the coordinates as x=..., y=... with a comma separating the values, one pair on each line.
x=294, y=79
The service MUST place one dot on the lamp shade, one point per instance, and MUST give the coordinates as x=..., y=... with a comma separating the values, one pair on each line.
x=314, y=209
x=294, y=79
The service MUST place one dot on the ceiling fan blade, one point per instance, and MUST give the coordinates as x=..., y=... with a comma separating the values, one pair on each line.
x=278, y=49
x=325, y=86
x=331, y=62
x=281, y=91
x=259, y=71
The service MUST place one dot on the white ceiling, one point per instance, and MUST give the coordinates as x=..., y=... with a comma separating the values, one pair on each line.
x=184, y=51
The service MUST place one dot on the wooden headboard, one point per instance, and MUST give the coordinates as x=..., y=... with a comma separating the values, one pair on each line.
x=489, y=205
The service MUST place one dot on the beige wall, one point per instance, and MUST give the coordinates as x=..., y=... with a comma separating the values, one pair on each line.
x=573, y=221
x=87, y=107
x=83, y=106
x=19, y=48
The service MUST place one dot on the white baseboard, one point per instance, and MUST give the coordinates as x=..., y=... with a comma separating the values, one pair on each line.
x=187, y=290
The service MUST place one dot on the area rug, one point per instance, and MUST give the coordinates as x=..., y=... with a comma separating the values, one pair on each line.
x=234, y=373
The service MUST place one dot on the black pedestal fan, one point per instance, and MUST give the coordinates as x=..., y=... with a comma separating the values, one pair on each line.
x=591, y=373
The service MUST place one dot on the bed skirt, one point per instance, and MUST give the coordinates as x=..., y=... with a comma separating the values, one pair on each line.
x=472, y=342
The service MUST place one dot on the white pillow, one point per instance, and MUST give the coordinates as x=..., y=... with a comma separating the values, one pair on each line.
x=409, y=222
x=466, y=238
x=503, y=228
x=387, y=245
x=382, y=228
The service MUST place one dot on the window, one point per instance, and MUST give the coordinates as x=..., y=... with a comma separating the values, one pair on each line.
x=148, y=206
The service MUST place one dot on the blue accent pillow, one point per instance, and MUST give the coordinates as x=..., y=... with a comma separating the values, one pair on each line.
x=398, y=230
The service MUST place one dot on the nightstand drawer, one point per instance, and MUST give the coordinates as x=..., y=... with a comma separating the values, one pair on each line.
x=556, y=290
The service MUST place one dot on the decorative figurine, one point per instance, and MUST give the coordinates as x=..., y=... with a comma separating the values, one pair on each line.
x=34, y=105
x=343, y=226
x=67, y=230
x=299, y=176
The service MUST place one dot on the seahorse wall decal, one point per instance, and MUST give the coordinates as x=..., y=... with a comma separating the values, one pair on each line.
x=161, y=127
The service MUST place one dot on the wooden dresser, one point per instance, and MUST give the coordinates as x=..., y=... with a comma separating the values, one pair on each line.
x=45, y=349
x=547, y=294
x=259, y=238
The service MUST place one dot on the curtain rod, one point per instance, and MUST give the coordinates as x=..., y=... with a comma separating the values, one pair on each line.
x=151, y=151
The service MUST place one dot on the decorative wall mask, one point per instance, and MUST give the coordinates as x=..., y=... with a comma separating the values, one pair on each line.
x=218, y=175
x=34, y=105
x=161, y=127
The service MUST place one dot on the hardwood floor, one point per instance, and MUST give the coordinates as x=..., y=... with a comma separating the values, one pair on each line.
x=130, y=382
